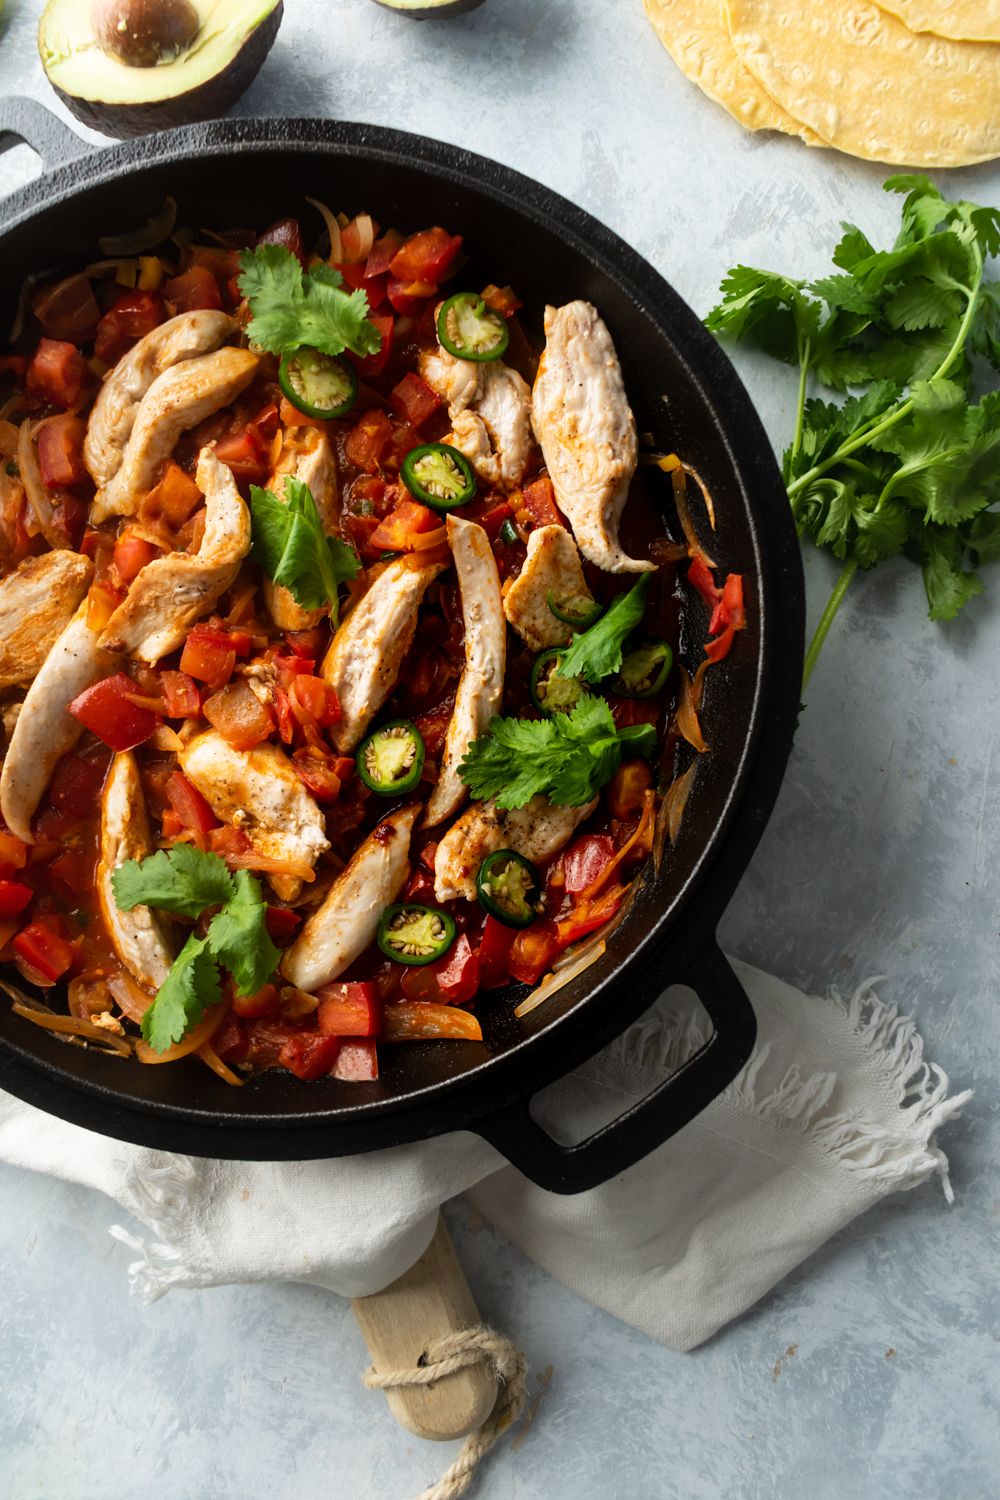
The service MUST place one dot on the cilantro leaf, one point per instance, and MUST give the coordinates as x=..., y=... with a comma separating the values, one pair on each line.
x=769, y=308
x=181, y=880
x=292, y=548
x=948, y=585
x=595, y=653
x=291, y=308
x=191, y=986
x=238, y=937
x=567, y=758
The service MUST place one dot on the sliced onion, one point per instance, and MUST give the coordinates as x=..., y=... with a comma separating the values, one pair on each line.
x=252, y=860
x=366, y=235
x=31, y=477
x=8, y=438
x=69, y=1026
x=23, y=303
x=153, y=232
x=132, y=1000
x=197, y=1037
x=675, y=800
x=687, y=709
x=209, y=1056
x=678, y=479
x=558, y=979
x=332, y=229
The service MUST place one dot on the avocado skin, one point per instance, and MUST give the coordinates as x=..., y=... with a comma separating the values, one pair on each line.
x=206, y=102
x=434, y=12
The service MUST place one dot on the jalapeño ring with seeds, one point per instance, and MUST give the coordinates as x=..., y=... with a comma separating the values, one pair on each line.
x=412, y=934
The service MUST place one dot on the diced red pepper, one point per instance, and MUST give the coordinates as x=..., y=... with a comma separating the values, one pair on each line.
x=357, y=1061
x=58, y=373
x=380, y=257
x=246, y=454
x=729, y=609
x=69, y=517
x=369, y=366
x=540, y=503
x=316, y=699
x=310, y=643
x=414, y=399
x=209, y=655
x=13, y=854
x=502, y=299
x=309, y=1054
x=534, y=951
x=494, y=954
x=76, y=784
x=231, y=1042
x=288, y=234
x=196, y=289
x=181, y=695
x=106, y=710
x=368, y=440
x=318, y=773
x=585, y=860
x=360, y=530
x=409, y=297
x=350, y=1008
x=60, y=452
x=453, y=980
x=175, y=498
x=189, y=805
x=72, y=874
x=265, y=1002
x=282, y=924
x=489, y=514
x=425, y=256
x=131, y=555
x=410, y=519
x=14, y=897
x=131, y=317
x=700, y=578
x=589, y=915
x=44, y=950
x=433, y=728
x=627, y=789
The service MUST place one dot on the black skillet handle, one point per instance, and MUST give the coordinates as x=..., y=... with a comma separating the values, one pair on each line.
x=671, y=1105
x=28, y=121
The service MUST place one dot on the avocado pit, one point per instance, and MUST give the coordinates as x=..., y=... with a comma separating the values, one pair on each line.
x=142, y=33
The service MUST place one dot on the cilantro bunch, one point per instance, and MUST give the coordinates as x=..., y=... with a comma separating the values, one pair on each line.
x=294, y=309
x=188, y=882
x=909, y=462
x=292, y=548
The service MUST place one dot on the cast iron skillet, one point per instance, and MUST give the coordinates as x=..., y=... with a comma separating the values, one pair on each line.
x=686, y=393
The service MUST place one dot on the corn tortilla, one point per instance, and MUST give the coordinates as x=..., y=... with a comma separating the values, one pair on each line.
x=961, y=20
x=694, y=32
x=870, y=86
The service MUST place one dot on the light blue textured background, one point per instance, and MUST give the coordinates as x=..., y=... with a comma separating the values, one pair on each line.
x=874, y=1370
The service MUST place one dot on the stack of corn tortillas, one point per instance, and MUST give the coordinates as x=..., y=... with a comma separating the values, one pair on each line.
x=908, y=82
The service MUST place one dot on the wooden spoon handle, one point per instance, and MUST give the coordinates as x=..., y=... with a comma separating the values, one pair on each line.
x=429, y=1300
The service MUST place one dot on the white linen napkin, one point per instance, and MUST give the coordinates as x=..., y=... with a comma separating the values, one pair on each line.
x=835, y=1110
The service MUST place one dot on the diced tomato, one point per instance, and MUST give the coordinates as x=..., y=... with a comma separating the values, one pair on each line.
x=14, y=897
x=415, y=1020
x=534, y=951
x=189, y=805
x=131, y=555
x=44, y=950
x=72, y=874
x=265, y=1002
x=370, y=495
x=266, y=1038
x=209, y=656
x=381, y=255
x=309, y=1054
x=409, y=297
x=627, y=789
x=231, y=1042
x=585, y=860
x=286, y=233
x=318, y=773
x=76, y=785
x=175, y=498
x=69, y=516
x=539, y=502
x=369, y=366
x=193, y=291
x=360, y=530
x=316, y=698
x=238, y=715
x=357, y=1061
x=68, y=311
x=60, y=452
x=131, y=317
x=502, y=299
x=376, y=289
x=368, y=440
x=282, y=924
x=419, y=887
x=700, y=578
x=453, y=980
x=425, y=256
x=409, y=520
x=350, y=1008
x=353, y=274
x=13, y=854
x=414, y=399
x=228, y=841
x=58, y=373
x=494, y=954
x=489, y=514
x=106, y=711
x=246, y=454
x=180, y=694
x=433, y=728
x=222, y=262
x=310, y=643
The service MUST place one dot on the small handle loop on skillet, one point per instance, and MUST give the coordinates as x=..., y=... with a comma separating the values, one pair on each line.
x=671, y=1105
x=28, y=121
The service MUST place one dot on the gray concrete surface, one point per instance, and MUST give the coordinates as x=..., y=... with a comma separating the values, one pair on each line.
x=872, y=1372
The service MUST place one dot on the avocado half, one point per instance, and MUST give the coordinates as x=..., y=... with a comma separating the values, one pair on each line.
x=199, y=83
x=426, y=10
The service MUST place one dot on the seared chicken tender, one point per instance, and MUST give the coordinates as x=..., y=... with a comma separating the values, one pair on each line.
x=345, y=924
x=490, y=409
x=538, y=831
x=480, y=687
x=306, y=454
x=44, y=731
x=586, y=429
x=552, y=566
x=37, y=602
x=143, y=939
x=170, y=593
x=258, y=791
x=178, y=399
x=364, y=659
x=113, y=412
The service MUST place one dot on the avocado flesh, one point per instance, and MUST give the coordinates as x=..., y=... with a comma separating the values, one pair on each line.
x=423, y=10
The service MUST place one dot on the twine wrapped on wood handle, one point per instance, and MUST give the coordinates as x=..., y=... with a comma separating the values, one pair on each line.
x=447, y=1355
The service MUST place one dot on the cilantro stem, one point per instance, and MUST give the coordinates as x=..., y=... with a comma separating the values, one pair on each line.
x=822, y=630
x=800, y=405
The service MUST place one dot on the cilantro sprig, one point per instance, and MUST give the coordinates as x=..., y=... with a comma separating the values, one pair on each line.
x=595, y=653
x=567, y=757
x=188, y=882
x=292, y=548
x=909, y=462
x=294, y=309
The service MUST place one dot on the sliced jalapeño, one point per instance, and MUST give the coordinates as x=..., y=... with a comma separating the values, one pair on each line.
x=391, y=759
x=317, y=384
x=439, y=476
x=644, y=670
x=578, y=610
x=550, y=692
x=509, y=887
x=468, y=329
x=413, y=934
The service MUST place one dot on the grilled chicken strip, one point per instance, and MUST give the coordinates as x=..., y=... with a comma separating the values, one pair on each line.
x=345, y=924
x=480, y=687
x=169, y=594
x=37, y=601
x=367, y=652
x=538, y=830
x=552, y=566
x=258, y=791
x=586, y=429
x=44, y=731
x=489, y=405
x=178, y=399
x=142, y=939
x=306, y=454
x=113, y=413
